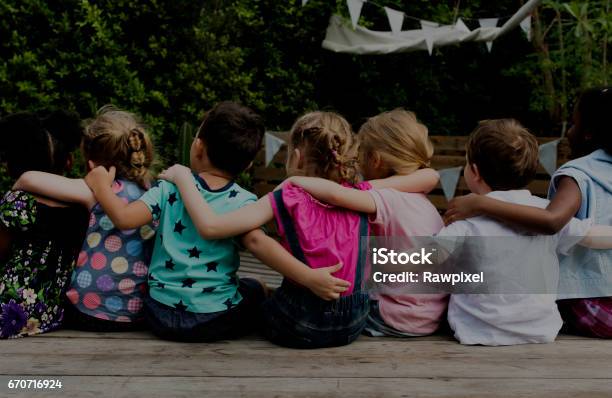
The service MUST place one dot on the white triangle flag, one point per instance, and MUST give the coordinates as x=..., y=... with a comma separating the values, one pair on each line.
x=396, y=19
x=449, y=178
x=548, y=156
x=526, y=26
x=272, y=144
x=461, y=26
x=427, y=28
x=488, y=23
x=354, y=7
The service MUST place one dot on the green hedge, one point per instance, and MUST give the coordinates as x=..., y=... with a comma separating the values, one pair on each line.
x=168, y=60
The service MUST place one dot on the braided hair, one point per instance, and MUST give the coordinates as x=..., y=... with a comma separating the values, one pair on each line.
x=116, y=138
x=328, y=144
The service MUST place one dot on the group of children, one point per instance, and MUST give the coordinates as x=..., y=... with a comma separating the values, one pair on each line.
x=120, y=251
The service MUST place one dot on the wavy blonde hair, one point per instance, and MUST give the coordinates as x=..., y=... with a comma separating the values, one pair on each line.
x=328, y=144
x=117, y=138
x=399, y=138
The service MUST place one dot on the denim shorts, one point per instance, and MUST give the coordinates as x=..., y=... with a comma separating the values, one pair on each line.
x=171, y=324
x=295, y=317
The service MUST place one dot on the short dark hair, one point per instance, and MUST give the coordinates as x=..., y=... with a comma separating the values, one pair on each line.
x=29, y=141
x=233, y=134
x=593, y=116
x=505, y=152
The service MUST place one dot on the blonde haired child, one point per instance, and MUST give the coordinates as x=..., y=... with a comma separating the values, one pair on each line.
x=108, y=284
x=322, y=145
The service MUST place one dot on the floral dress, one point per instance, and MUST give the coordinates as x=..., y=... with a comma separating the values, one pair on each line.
x=44, y=244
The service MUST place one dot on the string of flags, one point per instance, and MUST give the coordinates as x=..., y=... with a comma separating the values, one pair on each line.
x=360, y=40
x=449, y=178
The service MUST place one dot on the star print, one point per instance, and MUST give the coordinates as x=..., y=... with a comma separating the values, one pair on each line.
x=194, y=252
x=233, y=193
x=208, y=289
x=188, y=282
x=155, y=184
x=170, y=265
x=179, y=227
x=172, y=198
x=155, y=210
x=228, y=303
x=151, y=277
x=161, y=285
x=180, y=306
x=212, y=266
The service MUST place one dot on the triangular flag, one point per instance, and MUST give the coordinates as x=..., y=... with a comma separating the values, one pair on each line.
x=449, y=178
x=354, y=7
x=548, y=156
x=427, y=28
x=488, y=23
x=396, y=19
x=461, y=26
x=273, y=144
x=526, y=26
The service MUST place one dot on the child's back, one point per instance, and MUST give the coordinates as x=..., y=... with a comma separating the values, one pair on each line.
x=523, y=272
x=42, y=237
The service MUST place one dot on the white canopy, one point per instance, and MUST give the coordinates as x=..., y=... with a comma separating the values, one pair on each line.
x=341, y=37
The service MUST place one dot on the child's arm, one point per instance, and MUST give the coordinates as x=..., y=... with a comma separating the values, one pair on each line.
x=551, y=220
x=422, y=181
x=320, y=281
x=123, y=215
x=63, y=189
x=209, y=224
x=335, y=194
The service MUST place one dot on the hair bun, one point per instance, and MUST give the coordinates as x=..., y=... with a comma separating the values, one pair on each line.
x=19, y=129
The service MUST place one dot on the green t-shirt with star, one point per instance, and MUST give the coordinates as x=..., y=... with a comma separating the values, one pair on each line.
x=188, y=272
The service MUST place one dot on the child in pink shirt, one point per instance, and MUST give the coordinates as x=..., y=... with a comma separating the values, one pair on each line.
x=394, y=146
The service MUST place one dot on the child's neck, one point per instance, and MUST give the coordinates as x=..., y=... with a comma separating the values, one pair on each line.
x=215, y=178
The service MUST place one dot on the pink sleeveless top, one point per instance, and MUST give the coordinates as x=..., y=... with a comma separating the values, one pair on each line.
x=321, y=235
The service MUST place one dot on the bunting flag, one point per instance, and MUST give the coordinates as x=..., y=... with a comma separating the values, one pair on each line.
x=548, y=156
x=526, y=27
x=461, y=26
x=355, y=7
x=449, y=178
x=428, y=27
x=488, y=23
x=272, y=145
x=396, y=19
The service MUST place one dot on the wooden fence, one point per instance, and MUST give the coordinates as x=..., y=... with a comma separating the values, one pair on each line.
x=449, y=152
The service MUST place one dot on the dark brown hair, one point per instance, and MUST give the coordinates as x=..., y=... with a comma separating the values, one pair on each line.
x=233, y=135
x=505, y=152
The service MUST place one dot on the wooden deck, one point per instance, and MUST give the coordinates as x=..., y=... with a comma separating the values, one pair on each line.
x=139, y=365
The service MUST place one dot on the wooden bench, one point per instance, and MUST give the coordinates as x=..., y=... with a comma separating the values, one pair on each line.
x=135, y=365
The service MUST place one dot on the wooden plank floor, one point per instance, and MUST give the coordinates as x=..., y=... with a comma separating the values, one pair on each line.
x=139, y=365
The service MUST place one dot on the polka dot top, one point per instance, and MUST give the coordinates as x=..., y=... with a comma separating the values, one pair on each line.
x=110, y=277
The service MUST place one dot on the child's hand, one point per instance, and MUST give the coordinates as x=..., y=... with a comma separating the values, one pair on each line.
x=462, y=207
x=175, y=172
x=322, y=283
x=100, y=177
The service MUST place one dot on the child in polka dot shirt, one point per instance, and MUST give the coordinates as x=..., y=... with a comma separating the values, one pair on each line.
x=110, y=279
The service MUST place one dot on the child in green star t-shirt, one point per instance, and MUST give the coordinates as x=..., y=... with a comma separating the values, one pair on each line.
x=195, y=294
